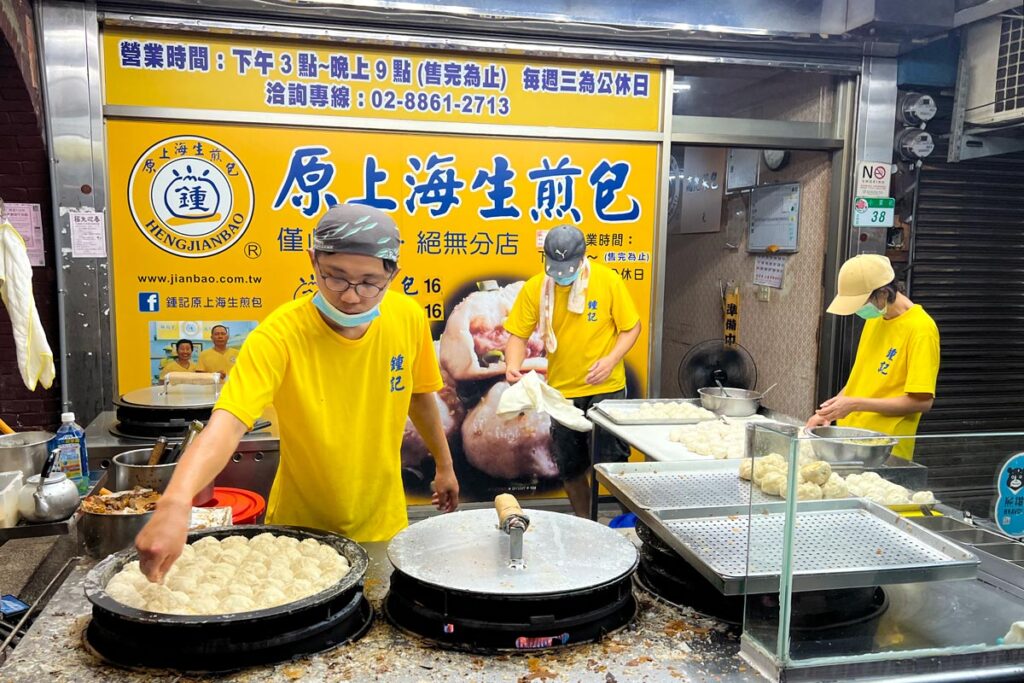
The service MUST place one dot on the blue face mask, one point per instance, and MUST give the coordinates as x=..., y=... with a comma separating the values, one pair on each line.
x=344, y=319
x=869, y=311
x=567, y=280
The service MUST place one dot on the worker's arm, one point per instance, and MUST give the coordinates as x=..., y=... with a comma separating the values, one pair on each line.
x=816, y=420
x=427, y=420
x=840, y=406
x=161, y=540
x=515, y=354
x=603, y=367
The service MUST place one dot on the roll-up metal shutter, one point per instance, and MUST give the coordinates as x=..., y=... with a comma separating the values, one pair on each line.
x=968, y=272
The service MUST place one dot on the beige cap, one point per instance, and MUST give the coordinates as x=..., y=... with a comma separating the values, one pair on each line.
x=858, y=277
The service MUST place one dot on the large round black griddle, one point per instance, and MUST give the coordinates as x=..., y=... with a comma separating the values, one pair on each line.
x=164, y=410
x=453, y=584
x=126, y=636
x=844, y=618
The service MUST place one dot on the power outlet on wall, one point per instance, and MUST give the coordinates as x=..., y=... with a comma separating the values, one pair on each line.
x=764, y=293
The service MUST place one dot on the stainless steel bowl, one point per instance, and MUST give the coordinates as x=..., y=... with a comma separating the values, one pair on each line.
x=24, y=452
x=739, y=402
x=130, y=470
x=102, y=535
x=832, y=444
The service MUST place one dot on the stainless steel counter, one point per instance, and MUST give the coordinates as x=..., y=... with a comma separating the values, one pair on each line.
x=664, y=643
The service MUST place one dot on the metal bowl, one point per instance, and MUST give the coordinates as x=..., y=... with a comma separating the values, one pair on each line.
x=24, y=452
x=832, y=444
x=105, y=534
x=739, y=402
x=130, y=470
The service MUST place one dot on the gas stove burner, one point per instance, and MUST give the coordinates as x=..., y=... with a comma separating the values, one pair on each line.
x=479, y=598
x=845, y=618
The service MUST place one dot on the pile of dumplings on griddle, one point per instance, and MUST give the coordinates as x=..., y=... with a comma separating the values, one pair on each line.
x=233, y=575
x=818, y=481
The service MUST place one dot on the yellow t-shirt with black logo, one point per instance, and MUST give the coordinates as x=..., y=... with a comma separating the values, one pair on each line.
x=341, y=407
x=583, y=338
x=212, y=360
x=894, y=357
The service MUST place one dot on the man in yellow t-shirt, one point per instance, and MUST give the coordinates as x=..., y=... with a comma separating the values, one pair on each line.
x=343, y=368
x=220, y=358
x=892, y=382
x=588, y=323
x=183, y=362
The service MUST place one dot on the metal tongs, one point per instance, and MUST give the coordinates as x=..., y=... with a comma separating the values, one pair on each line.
x=513, y=522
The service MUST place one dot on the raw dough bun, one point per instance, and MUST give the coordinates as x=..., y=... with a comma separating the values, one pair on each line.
x=234, y=543
x=774, y=483
x=806, y=491
x=746, y=469
x=237, y=603
x=816, y=472
x=775, y=460
x=236, y=575
x=922, y=498
x=835, y=487
x=761, y=470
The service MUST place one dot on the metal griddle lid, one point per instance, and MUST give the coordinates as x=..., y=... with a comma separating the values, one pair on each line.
x=466, y=551
x=175, y=396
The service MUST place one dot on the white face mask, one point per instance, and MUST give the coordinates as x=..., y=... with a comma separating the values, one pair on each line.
x=342, y=318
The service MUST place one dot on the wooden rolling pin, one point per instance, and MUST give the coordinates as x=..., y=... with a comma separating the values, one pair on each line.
x=192, y=377
x=507, y=506
x=4, y=428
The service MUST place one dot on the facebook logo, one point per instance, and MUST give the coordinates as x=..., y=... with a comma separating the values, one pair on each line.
x=149, y=302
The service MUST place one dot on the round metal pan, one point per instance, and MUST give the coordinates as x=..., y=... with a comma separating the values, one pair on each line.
x=465, y=551
x=97, y=579
x=175, y=396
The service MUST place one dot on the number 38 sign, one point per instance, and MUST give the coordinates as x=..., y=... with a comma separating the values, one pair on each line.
x=870, y=212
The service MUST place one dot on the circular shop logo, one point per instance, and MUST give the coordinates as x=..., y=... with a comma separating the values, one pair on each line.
x=861, y=206
x=190, y=196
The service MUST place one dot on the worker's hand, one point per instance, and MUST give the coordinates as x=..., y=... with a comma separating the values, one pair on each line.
x=446, y=491
x=161, y=540
x=600, y=370
x=512, y=376
x=816, y=421
x=837, y=408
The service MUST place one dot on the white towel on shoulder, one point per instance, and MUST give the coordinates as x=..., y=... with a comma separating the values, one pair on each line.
x=577, y=303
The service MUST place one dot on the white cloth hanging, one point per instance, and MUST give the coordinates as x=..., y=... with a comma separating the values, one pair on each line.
x=533, y=394
x=35, y=359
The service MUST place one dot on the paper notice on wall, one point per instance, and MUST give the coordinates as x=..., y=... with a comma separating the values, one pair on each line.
x=27, y=219
x=88, y=234
x=769, y=270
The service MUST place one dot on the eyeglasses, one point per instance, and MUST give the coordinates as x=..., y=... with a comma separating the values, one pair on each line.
x=364, y=290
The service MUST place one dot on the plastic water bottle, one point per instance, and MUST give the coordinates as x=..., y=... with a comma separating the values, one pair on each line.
x=73, y=459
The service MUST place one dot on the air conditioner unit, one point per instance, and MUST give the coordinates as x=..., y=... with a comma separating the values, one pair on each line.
x=994, y=54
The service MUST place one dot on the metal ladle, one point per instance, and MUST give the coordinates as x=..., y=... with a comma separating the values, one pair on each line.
x=724, y=392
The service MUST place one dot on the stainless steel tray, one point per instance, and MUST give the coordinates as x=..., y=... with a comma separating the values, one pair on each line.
x=634, y=404
x=845, y=543
x=684, y=484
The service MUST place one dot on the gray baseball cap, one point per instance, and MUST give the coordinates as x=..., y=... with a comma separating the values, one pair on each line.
x=357, y=229
x=564, y=248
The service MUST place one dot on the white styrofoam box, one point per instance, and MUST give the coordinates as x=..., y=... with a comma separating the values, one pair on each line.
x=10, y=487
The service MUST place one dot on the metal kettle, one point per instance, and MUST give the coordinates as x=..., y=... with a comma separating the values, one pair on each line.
x=48, y=497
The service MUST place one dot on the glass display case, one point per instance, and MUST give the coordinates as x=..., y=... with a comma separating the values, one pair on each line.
x=851, y=569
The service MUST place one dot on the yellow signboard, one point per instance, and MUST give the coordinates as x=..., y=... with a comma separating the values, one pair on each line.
x=248, y=74
x=212, y=223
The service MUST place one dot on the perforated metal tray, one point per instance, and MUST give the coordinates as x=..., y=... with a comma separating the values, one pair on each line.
x=689, y=484
x=608, y=406
x=846, y=543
